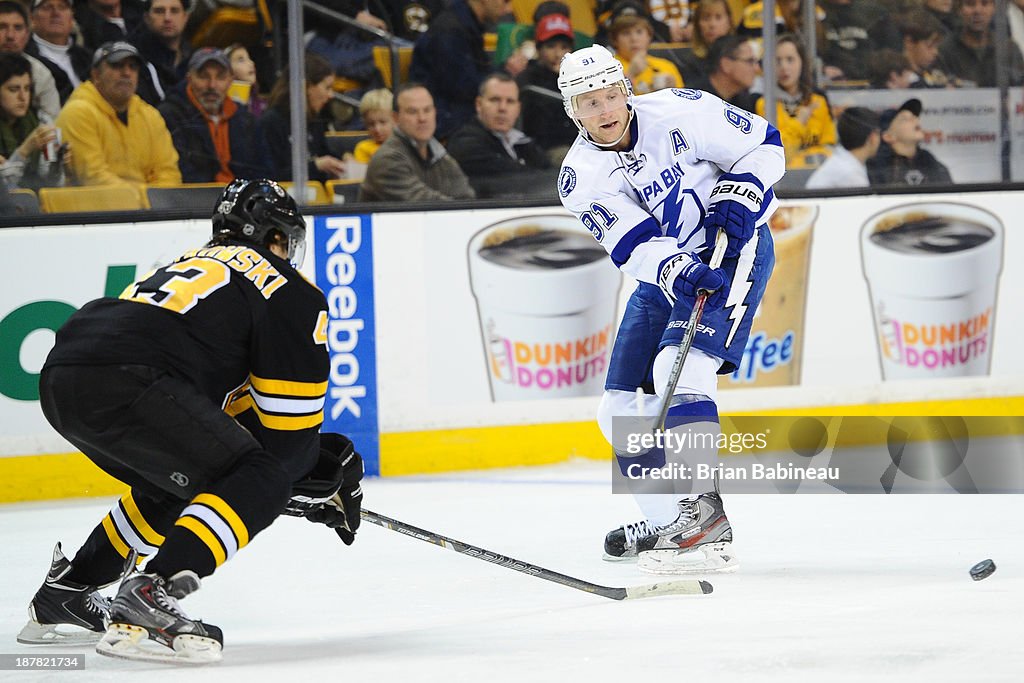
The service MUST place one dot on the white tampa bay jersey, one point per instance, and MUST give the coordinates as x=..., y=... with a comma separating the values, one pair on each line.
x=649, y=203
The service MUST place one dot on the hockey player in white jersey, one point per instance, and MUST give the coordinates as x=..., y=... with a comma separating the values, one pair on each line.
x=655, y=178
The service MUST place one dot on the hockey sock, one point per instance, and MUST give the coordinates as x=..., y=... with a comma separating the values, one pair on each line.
x=693, y=423
x=137, y=521
x=221, y=521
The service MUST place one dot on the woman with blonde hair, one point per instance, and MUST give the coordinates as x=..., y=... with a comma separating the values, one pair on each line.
x=711, y=20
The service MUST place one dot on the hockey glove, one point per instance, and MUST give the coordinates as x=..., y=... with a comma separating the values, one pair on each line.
x=684, y=275
x=734, y=202
x=331, y=494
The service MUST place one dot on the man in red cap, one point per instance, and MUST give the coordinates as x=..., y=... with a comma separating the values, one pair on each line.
x=544, y=118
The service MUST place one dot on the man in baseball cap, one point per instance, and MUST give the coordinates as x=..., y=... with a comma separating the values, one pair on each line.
x=116, y=136
x=116, y=52
x=212, y=133
x=900, y=159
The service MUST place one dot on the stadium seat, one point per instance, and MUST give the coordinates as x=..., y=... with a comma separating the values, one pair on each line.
x=677, y=53
x=343, y=191
x=382, y=60
x=91, y=198
x=343, y=142
x=315, y=193
x=23, y=201
x=188, y=195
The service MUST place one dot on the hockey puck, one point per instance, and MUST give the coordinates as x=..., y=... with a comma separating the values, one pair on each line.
x=983, y=570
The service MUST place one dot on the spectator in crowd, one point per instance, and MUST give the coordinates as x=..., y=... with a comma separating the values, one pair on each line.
x=734, y=69
x=499, y=159
x=859, y=138
x=970, y=54
x=375, y=108
x=103, y=21
x=675, y=14
x=802, y=114
x=631, y=35
x=888, y=69
x=1015, y=20
x=412, y=165
x=887, y=31
x=900, y=159
x=161, y=42
x=609, y=10
x=945, y=12
x=407, y=19
x=52, y=41
x=921, y=35
x=275, y=125
x=789, y=18
x=712, y=19
x=116, y=136
x=544, y=117
x=23, y=138
x=213, y=135
x=246, y=88
x=846, y=39
x=14, y=38
x=349, y=50
x=455, y=37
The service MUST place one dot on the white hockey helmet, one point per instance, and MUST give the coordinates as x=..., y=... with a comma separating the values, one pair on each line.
x=587, y=70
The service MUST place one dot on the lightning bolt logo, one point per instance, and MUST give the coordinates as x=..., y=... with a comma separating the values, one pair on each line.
x=739, y=288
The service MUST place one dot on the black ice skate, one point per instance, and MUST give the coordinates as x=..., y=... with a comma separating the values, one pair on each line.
x=147, y=624
x=698, y=541
x=63, y=611
x=620, y=545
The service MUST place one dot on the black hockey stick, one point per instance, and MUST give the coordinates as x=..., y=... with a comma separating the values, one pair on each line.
x=685, y=587
x=721, y=242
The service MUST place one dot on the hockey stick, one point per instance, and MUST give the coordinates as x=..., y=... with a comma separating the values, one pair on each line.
x=690, y=587
x=721, y=242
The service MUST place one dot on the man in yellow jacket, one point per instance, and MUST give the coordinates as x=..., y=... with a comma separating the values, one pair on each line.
x=116, y=136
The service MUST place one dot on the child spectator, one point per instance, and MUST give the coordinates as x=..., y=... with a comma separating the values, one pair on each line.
x=544, y=117
x=245, y=89
x=631, y=35
x=900, y=159
x=859, y=139
x=891, y=70
x=375, y=108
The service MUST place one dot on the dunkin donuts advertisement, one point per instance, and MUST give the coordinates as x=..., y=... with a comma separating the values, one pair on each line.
x=546, y=297
x=933, y=273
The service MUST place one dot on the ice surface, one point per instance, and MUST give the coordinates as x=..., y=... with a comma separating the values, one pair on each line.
x=830, y=588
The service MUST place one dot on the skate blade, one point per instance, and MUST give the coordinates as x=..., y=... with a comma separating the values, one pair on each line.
x=35, y=633
x=127, y=641
x=618, y=558
x=715, y=558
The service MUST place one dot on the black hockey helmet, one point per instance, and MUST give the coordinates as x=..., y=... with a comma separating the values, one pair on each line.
x=252, y=210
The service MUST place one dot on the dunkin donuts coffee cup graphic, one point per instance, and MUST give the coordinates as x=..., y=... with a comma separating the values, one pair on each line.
x=932, y=271
x=546, y=294
x=774, y=353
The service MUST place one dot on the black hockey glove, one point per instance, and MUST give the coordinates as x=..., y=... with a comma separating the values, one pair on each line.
x=331, y=493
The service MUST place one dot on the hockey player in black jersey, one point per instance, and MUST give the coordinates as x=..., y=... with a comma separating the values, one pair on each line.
x=155, y=387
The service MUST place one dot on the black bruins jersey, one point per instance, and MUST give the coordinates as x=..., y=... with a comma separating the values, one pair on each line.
x=238, y=322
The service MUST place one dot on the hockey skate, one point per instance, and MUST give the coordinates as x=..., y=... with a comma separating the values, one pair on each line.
x=63, y=611
x=698, y=541
x=620, y=545
x=147, y=624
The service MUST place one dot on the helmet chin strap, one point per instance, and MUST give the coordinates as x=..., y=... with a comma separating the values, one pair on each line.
x=606, y=145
